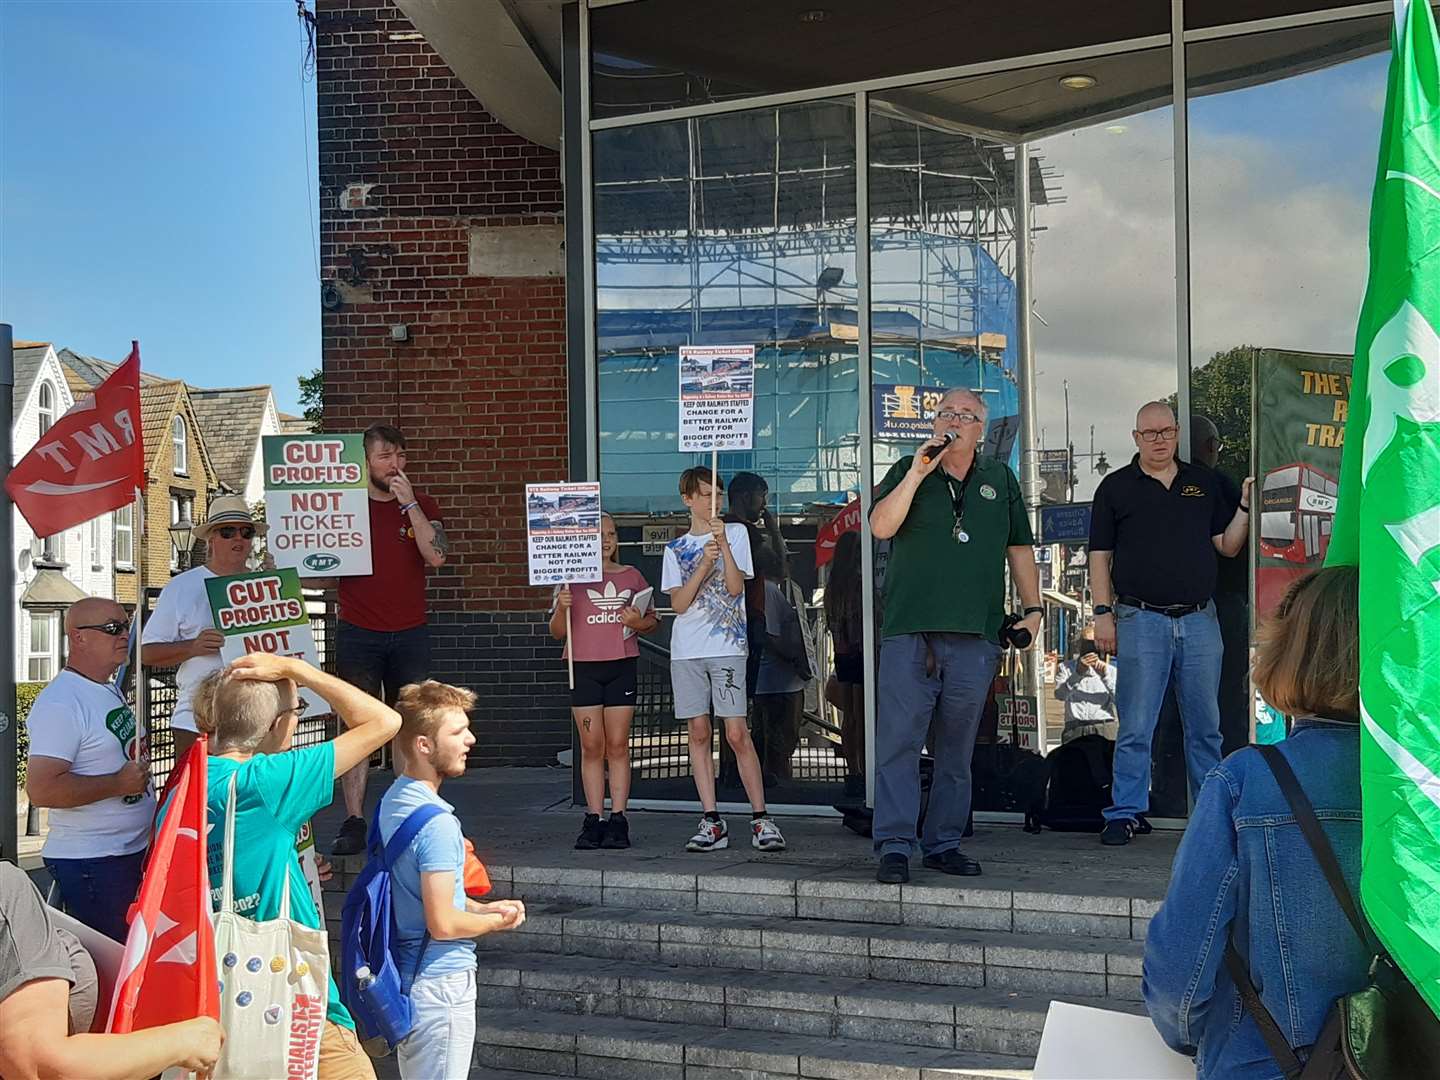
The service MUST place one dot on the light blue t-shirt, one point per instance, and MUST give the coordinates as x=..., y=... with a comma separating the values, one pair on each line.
x=439, y=846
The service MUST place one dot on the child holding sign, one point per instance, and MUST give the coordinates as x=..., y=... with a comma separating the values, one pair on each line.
x=704, y=573
x=604, y=619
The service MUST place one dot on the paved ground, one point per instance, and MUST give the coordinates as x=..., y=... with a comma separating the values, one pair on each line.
x=524, y=817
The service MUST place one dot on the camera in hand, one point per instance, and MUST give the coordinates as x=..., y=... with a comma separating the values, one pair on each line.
x=1013, y=635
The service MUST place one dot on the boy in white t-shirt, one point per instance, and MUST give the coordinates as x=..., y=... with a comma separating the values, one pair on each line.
x=704, y=573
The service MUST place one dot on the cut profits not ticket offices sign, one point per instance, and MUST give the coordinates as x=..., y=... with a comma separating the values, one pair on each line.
x=317, y=504
x=265, y=612
x=717, y=397
x=562, y=524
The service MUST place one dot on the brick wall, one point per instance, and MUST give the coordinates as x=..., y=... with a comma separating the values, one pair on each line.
x=480, y=387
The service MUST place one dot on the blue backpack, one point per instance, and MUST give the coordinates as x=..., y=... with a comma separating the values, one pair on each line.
x=367, y=924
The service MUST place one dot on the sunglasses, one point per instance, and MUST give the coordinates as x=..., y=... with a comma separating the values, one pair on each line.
x=298, y=709
x=114, y=627
x=229, y=532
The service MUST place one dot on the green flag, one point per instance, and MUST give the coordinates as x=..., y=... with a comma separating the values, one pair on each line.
x=1388, y=518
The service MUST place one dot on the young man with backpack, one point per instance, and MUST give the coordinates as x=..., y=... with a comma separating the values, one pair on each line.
x=435, y=924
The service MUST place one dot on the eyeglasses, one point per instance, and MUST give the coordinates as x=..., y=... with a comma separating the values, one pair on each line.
x=962, y=417
x=298, y=709
x=228, y=532
x=114, y=627
x=1157, y=434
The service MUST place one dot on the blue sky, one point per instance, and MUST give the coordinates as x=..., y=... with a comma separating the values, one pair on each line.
x=153, y=178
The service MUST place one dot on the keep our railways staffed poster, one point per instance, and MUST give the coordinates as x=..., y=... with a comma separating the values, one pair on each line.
x=562, y=522
x=717, y=397
x=317, y=504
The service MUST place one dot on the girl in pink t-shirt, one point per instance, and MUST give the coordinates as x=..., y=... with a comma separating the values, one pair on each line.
x=603, y=625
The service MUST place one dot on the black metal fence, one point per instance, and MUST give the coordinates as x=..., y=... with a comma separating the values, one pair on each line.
x=160, y=696
x=660, y=751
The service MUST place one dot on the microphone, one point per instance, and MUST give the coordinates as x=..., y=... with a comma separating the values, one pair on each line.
x=932, y=452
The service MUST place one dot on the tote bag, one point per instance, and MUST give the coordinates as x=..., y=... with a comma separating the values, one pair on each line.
x=274, y=984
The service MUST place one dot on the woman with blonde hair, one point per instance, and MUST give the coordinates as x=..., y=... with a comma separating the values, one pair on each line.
x=1245, y=875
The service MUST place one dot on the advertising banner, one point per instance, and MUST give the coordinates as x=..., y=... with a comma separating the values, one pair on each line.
x=317, y=504
x=717, y=397
x=1301, y=403
x=905, y=413
x=562, y=522
x=265, y=612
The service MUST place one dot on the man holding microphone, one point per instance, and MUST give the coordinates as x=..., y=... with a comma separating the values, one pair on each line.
x=956, y=518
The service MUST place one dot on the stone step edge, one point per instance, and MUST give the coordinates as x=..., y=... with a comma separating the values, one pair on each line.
x=1106, y=956
x=888, y=1000
x=697, y=1045
x=822, y=881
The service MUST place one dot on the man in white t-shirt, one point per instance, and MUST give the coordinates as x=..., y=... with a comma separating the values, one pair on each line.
x=87, y=766
x=704, y=573
x=181, y=632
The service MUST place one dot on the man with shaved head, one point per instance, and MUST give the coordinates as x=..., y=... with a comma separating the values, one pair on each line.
x=1156, y=527
x=956, y=518
x=85, y=765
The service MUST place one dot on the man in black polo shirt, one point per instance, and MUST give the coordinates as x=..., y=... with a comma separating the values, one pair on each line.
x=956, y=520
x=1155, y=528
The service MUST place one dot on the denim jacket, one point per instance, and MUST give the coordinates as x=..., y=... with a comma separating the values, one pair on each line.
x=1243, y=867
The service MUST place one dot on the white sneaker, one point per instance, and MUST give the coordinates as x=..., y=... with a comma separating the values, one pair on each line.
x=765, y=835
x=712, y=836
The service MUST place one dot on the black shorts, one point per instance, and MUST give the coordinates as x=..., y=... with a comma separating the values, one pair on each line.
x=605, y=682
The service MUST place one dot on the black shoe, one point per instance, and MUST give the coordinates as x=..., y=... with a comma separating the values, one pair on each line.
x=350, y=839
x=953, y=861
x=617, y=832
x=592, y=833
x=1117, y=833
x=894, y=869
x=1142, y=827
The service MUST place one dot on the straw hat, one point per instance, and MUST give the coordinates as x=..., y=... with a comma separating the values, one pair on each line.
x=227, y=510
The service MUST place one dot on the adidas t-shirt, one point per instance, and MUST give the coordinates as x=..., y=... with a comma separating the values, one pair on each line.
x=88, y=724
x=595, y=607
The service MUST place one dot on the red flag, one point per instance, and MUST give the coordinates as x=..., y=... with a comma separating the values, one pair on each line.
x=847, y=520
x=168, y=973
x=90, y=462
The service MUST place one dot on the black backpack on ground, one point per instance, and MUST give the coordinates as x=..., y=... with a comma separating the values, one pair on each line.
x=1385, y=1031
x=1077, y=790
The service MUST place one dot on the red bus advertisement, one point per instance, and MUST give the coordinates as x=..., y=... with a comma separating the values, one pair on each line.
x=1297, y=510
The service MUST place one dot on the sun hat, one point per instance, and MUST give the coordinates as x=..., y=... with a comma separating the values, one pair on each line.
x=227, y=510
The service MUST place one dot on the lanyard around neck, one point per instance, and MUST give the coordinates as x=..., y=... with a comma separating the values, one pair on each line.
x=957, y=500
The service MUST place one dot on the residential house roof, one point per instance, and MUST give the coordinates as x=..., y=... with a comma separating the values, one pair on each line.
x=28, y=359
x=231, y=418
x=295, y=425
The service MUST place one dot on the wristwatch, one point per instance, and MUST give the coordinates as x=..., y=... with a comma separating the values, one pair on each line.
x=1104, y=609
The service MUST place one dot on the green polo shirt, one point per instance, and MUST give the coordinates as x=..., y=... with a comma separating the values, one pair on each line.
x=934, y=583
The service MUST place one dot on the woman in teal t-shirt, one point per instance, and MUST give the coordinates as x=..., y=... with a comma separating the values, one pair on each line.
x=250, y=711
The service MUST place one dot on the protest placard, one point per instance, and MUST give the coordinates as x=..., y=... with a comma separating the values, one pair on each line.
x=317, y=504
x=563, y=524
x=264, y=612
x=717, y=397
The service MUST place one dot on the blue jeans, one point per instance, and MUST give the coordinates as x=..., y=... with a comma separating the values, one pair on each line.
x=99, y=892
x=908, y=695
x=1152, y=649
x=380, y=662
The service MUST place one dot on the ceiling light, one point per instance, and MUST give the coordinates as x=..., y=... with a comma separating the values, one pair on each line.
x=1077, y=82
x=814, y=15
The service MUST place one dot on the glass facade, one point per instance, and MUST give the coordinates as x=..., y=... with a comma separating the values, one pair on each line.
x=856, y=214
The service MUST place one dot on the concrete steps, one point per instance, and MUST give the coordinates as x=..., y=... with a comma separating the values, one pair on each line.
x=621, y=1048
x=1023, y=963
x=986, y=1019
x=1114, y=908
